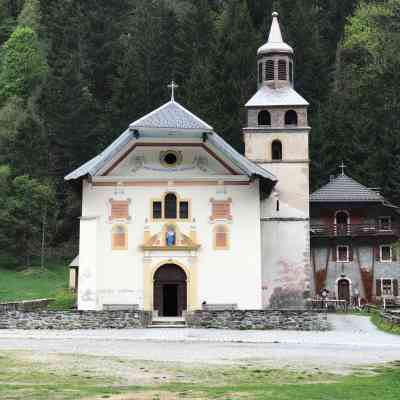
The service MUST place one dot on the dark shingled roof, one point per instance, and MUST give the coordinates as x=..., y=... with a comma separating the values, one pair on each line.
x=345, y=189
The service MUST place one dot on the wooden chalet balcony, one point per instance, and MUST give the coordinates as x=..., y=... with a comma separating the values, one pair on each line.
x=352, y=230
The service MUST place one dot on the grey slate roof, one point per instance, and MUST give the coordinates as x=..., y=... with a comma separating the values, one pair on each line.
x=285, y=96
x=171, y=115
x=345, y=189
x=92, y=167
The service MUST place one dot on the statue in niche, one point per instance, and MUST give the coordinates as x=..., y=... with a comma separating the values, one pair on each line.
x=171, y=237
x=137, y=163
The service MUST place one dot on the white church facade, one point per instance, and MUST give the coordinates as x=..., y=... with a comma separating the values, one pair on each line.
x=174, y=219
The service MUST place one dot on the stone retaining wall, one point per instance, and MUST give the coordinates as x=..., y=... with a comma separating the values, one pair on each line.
x=26, y=305
x=74, y=319
x=300, y=320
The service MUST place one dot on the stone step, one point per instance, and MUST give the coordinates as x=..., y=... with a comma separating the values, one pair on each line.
x=168, y=322
x=167, y=326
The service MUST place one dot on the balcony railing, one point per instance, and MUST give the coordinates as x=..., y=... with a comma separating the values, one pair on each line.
x=341, y=230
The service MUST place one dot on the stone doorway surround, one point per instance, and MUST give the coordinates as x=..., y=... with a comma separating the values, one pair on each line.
x=149, y=271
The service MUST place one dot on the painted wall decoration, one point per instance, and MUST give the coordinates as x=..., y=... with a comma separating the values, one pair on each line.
x=289, y=285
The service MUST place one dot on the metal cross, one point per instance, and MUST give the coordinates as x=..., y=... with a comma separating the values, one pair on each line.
x=173, y=86
x=342, y=166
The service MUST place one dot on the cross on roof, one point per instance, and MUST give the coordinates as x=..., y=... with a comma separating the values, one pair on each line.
x=173, y=86
x=342, y=166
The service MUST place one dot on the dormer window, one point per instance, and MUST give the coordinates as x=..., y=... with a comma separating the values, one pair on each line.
x=291, y=118
x=269, y=70
x=282, y=70
x=264, y=118
x=276, y=149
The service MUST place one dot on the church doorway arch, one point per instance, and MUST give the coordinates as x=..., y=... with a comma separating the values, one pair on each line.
x=170, y=291
x=343, y=289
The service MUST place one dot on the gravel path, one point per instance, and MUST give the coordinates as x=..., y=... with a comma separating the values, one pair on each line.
x=353, y=341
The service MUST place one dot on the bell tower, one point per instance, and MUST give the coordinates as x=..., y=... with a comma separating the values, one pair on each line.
x=277, y=138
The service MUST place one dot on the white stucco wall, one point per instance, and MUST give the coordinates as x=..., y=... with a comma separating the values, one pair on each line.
x=223, y=276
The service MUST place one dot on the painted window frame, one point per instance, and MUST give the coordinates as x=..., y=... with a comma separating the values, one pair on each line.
x=179, y=200
x=126, y=237
x=389, y=224
x=347, y=247
x=380, y=253
x=227, y=237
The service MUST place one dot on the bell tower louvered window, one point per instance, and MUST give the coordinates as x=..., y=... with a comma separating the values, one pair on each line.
x=269, y=70
x=282, y=70
x=260, y=72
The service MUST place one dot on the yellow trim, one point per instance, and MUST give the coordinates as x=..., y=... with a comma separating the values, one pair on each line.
x=191, y=283
x=179, y=200
x=227, y=233
x=113, y=231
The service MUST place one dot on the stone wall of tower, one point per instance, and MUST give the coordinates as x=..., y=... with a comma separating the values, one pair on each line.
x=286, y=271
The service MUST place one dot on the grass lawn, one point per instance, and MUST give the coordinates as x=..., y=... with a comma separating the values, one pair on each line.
x=36, y=283
x=24, y=375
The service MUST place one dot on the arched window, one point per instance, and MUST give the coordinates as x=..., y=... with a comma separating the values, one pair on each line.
x=221, y=237
x=269, y=70
x=342, y=223
x=260, y=72
x=264, y=118
x=119, y=238
x=171, y=206
x=276, y=150
x=282, y=73
x=291, y=117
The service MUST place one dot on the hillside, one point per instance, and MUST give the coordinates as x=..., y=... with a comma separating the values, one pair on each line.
x=74, y=74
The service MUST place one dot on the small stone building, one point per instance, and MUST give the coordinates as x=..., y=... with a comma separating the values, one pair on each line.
x=354, y=231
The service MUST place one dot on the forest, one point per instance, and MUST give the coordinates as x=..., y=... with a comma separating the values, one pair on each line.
x=75, y=73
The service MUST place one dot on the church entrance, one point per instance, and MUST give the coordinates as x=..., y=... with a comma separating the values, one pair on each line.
x=170, y=291
x=344, y=290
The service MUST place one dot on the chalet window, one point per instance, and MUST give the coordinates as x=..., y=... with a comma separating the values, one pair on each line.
x=157, y=209
x=264, y=118
x=269, y=70
x=387, y=287
x=282, y=74
x=276, y=150
x=170, y=208
x=385, y=223
x=291, y=117
x=221, y=237
x=119, y=239
x=342, y=253
x=260, y=72
x=386, y=253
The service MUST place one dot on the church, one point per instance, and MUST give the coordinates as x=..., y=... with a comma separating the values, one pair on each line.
x=174, y=219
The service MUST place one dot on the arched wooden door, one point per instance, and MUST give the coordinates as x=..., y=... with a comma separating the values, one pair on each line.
x=344, y=290
x=170, y=290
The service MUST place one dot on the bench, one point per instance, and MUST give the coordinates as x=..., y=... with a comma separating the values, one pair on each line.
x=120, y=307
x=219, y=307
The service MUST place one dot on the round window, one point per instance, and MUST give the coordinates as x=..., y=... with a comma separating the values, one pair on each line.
x=170, y=159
